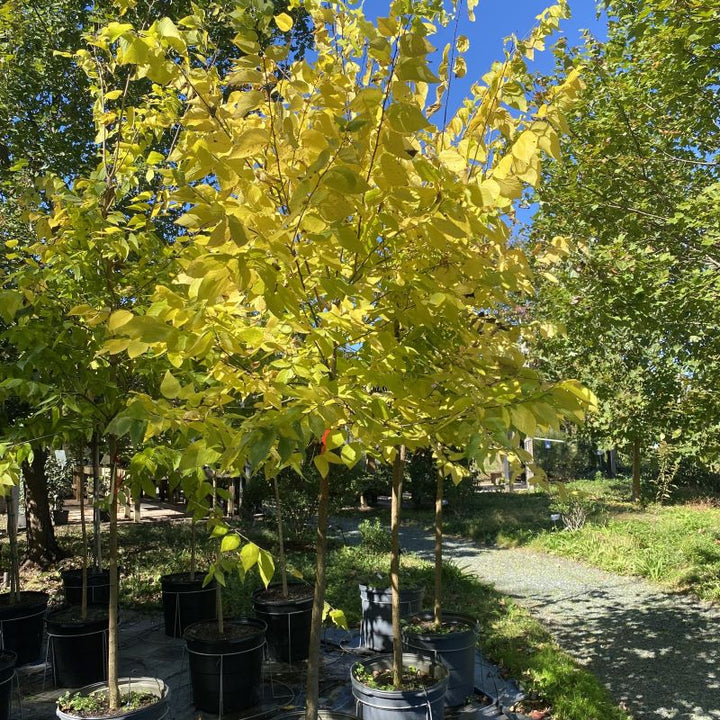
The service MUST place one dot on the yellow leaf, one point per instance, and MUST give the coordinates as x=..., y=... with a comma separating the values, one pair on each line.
x=322, y=465
x=284, y=22
x=249, y=555
x=136, y=348
x=250, y=142
x=229, y=543
x=118, y=319
x=266, y=566
x=170, y=387
x=525, y=146
x=113, y=347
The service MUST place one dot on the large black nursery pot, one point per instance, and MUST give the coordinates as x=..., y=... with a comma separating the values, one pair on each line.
x=98, y=586
x=288, y=620
x=454, y=645
x=22, y=624
x=77, y=647
x=186, y=601
x=376, y=624
x=7, y=672
x=154, y=686
x=225, y=672
x=426, y=703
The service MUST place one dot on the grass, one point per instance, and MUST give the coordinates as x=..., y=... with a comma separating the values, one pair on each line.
x=677, y=546
x=509, y=636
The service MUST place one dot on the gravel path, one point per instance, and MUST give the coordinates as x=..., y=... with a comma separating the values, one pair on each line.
x=657, y=653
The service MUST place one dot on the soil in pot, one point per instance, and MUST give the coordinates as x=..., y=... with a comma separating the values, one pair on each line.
x=226, y=670
x=376, y=624
x=288, y=620
x=98, y=587
x=186, y=601
x=78, y=647
x=420, y=698
x=7, y=672
x=453, y=643
x=142, y=698
x=22, y=624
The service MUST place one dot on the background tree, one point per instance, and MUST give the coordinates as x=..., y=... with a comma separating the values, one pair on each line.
x=637, y=190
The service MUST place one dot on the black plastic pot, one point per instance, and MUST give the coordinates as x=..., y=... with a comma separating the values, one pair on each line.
x=22, y=624
x=157, y=711
x=423, y=704
x=186, y=601
x=226, y=674
x=376, y=625
x=288, y=621
x=456, y=649
x=7, y=672
x=98, y=587
x=78, y=649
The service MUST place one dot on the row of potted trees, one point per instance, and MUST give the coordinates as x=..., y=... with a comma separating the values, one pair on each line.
x=283, y=611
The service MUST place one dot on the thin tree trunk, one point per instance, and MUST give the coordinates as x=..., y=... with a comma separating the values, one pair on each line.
x=83, y=532
x=12, y=505
x=97, y=546
x=42, y=546
x=397, y=483
x=438, y=547
x=113, y=649
x=193, y=541
x=281, y=540
x=219, y=607
x=312, y=688
x=636, y=489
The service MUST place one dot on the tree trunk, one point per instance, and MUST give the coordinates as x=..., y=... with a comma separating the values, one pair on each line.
x=636, y=489
x=83, y=533
x=281, y=539
x=312, y=687
x=113, y=639
x=12, y=523
x=612, y=463
x=97, y=544
x=396, y=502
x=438, y=547
x=42, y=547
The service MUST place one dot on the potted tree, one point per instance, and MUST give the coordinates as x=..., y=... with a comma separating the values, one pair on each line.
x=376, y=605
x=411, y=684
x=226, y=655
x=285, y=607
x=449, y=637
x=77, y=635
x=186, y=598
x=117, y=697
x=22, y=612
x=90, y=584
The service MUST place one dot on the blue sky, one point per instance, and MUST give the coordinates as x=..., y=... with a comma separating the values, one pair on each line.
x=495, y=20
